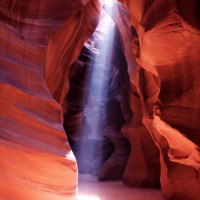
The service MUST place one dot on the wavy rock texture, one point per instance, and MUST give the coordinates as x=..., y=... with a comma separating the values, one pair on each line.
x=143, y=166
x=36, y=159
x=167, y=76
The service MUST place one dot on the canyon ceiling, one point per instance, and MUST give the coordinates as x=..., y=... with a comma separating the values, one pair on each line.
x=147, y=116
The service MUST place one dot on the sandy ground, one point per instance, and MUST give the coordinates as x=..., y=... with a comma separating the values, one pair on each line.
x=91, y=189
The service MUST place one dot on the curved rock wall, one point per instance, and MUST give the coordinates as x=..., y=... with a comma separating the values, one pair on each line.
x=36, y=159
x=166, y=79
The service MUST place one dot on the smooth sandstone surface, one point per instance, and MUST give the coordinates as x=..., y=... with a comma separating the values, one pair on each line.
x=36, y=159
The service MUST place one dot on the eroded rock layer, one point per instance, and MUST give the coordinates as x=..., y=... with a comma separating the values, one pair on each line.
x=167, y=79
x=36, y=159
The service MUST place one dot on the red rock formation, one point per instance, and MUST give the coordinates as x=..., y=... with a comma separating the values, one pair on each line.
x=167, y=79
x=143, y=167
x=36, y=160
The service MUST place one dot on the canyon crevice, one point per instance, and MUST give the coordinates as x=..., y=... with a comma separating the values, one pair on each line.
x=64, y=110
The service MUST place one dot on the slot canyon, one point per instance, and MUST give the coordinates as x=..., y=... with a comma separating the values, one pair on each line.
x=99, y=88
